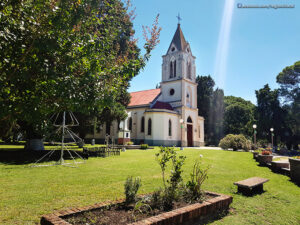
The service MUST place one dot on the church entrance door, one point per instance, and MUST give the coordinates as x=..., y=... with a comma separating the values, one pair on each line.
x=190, y=135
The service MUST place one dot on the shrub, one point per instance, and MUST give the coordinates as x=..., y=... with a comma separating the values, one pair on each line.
x=235, y=142
x=131, y=188
x=129, y=143
x=144, y=146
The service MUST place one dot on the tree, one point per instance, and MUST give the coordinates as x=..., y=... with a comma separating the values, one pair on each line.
x=238, y=116
x=289, y=81
x=269, y=114
x=211, y=107
x=216, y=117
x=205, y=88
x=65, y=56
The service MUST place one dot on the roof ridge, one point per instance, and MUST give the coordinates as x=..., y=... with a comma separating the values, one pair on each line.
x=145, y=90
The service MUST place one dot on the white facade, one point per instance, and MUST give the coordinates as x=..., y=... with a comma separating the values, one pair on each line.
x=154, y=115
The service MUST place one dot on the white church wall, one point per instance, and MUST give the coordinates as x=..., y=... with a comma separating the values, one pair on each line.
x=165, y=90
x=160, y=129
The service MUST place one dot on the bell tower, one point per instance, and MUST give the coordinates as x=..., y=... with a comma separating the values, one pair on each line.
x=178, y=84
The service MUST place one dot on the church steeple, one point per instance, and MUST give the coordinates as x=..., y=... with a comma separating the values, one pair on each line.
x=178, y=41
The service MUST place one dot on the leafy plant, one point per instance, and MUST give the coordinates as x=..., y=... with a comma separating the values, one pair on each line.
x=235, y=142
x=131, y=188
x=266, y=152
x=129, y=143
x=193, y=188
x=169, y=193
x=144, y=146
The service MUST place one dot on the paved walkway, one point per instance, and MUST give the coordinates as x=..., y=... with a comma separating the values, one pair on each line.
x=206, y=148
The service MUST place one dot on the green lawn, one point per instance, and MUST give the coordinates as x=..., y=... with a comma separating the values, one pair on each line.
x=27, y=193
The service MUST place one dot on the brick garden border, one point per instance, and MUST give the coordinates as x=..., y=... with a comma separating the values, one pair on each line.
x=198, y=210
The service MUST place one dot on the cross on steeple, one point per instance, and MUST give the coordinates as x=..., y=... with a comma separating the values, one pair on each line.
x=179, y=18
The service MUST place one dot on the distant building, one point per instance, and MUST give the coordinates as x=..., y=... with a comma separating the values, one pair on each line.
x=155, y=116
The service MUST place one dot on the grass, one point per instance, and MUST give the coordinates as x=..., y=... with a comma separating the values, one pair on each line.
x=27, y=193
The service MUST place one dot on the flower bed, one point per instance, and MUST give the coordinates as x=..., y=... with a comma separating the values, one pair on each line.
x=264, y=159
x=215, y=204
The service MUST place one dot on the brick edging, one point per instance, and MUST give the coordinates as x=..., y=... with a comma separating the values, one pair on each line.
x=190, y=212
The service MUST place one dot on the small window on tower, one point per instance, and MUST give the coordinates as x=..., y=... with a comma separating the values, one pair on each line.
x=173, y=49
x=172, y=91
x=188, y=50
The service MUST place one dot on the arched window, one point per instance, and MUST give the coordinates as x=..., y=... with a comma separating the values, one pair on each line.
x=149, y=127
x=189, y=70
x=170, y=128
x=130, y=123
x=171, y=69
x=143, y=125
x=174, y=74
x=189, y=120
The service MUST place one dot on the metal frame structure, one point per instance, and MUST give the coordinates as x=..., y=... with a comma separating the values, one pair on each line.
x=65, y=130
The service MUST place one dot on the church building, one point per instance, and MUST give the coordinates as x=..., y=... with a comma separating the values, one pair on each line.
x=168, y=115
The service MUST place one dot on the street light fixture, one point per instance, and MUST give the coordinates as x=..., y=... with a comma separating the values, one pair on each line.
x=272, y=136
x=181, y=127
x=254, y=127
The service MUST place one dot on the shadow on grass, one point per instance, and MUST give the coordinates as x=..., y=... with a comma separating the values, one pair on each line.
x=208, y=219
x=15, y=156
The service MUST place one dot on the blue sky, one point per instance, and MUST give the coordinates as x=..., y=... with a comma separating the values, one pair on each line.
x=242, y=49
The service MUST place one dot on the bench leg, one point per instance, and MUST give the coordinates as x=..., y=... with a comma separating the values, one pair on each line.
x=248, y=191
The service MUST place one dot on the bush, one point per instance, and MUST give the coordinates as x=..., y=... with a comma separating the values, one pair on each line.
x=144, y=146
x=129, y=143
x=235, y=142
x=131, y=188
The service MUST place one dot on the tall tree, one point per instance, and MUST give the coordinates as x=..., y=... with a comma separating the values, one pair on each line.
x=211, y=106
x=65, y=56
x=269, y=113
x=216, y=117
x=289, y=81
x=238, y=116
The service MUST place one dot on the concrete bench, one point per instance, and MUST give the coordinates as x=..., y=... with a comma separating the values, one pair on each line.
x=251, y=185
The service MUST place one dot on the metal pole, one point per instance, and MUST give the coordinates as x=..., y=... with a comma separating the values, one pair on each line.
x=123, y=148
x=255, y=139
x=63, y=139
x=181, y=127
x=272, y=139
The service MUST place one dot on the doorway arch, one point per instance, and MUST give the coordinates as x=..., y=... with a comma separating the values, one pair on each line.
x=190, y=142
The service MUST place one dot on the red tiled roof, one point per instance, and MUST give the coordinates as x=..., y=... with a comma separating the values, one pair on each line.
x=162, y=105
x=143, y=97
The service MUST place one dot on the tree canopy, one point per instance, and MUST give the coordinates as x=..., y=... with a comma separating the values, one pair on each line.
x=238, y=116
x=65, y=56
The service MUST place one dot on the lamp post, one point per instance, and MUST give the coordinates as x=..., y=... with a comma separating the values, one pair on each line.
x=181, y=127
x=272, y=135
x=254, y=128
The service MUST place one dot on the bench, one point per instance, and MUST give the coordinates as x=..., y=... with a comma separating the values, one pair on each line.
x=251, y=185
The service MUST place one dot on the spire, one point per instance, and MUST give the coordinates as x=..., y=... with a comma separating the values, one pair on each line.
x=178, y=40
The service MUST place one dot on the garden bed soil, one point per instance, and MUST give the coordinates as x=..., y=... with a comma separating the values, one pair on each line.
x=117, y=213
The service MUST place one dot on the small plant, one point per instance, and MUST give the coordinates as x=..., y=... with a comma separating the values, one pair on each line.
x=169, y=193
x=129, y=143
x=144, y=146
x=131, y=188
x=266, y=152
x=193, y=189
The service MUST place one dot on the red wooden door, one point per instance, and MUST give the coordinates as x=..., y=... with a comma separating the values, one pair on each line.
x=190, y=135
